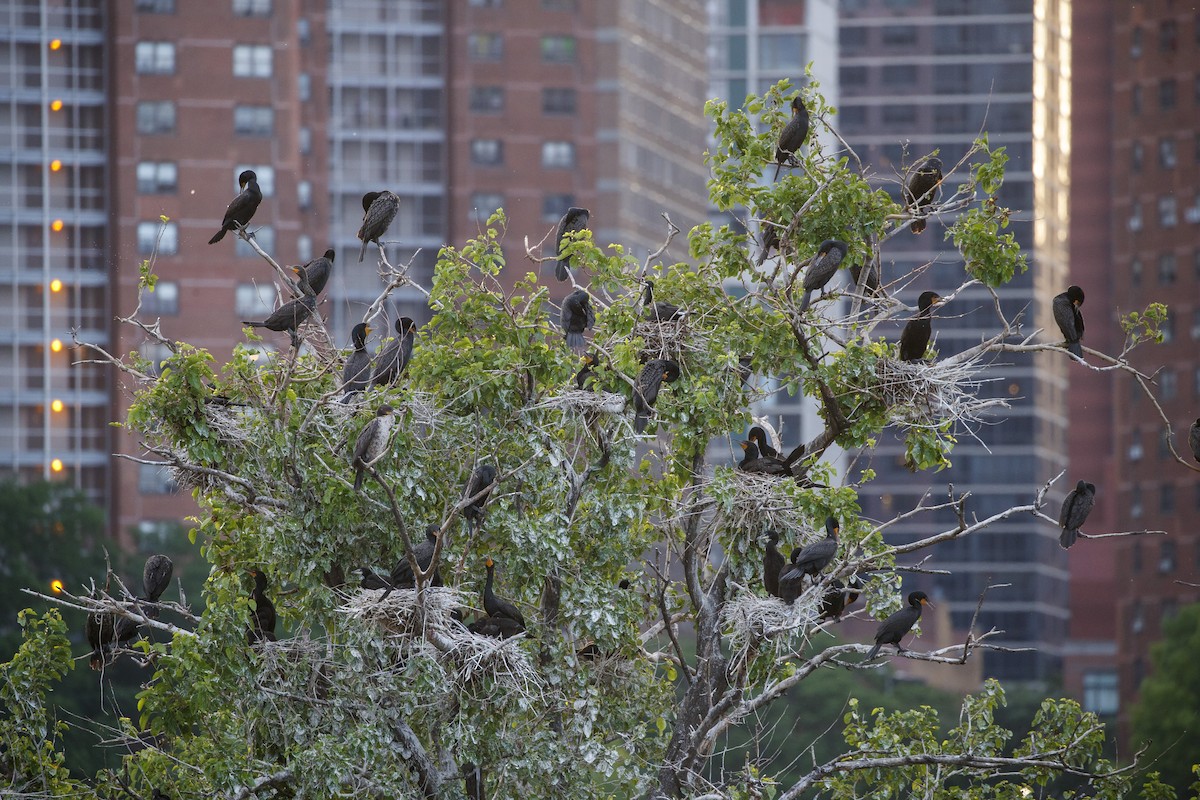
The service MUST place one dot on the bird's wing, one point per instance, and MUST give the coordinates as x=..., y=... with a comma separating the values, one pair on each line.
x=1064, y=516
x=1064, y=315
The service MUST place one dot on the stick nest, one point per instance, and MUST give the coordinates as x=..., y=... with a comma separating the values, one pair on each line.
x=928, y=394
x=669, y=339
x=585, y=400
x=754, y=621
x=751, y=502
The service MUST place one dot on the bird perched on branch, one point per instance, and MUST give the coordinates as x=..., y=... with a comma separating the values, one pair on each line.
x=658, y=311
x=379, y=209
x=262, y=618
x=393, y=359
x=770, y=241
x=371, y=443
x=792, y=137
x=833, y=605
x=773, y=564
x=646, y=387
x=577, y=316
x=317, y=271
x=1194, y=439
x=575, y=220
x=482, y=478
x=823, y=266
x=156, y=577
x=922, y=190
x=914, y=339
x=869, y=285
x=895, y=627
x=1070, y=318
x=402, y=576
x=241, y=209
x=356, y=374
x=292, y=314
x=1075, y=509
x=817, y=556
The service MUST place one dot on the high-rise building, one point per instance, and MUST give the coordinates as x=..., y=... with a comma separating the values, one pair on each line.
x=929, y=75
x=118, y=115
x=1155, y=217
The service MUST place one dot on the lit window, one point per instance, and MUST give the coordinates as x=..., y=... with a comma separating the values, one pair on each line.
x=154, y=58
x=157, y=177
x=558, y=101
x=252, y=61
x=253, y=120
x=1100, y=695
x=487, y=99
x=148, y=237
x=254, y=301
x=264, y=236
x=555, y=205
x=155, y=116
x=485, y=46
x=558, y=49
x=483, y=205
x=163, y=300
x=304, y=248
x=558, y=155
x=252, y=8
x=487, y=151
x=304, y=195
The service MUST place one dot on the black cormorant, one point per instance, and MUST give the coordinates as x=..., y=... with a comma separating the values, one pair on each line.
x=498, y=606
x=576, y=219
x=897, y=625
x=371, y=443
x=792, y=137
x=816, y=557
x=773, y=564
x=823, y=266
x=356, y=374
x=241, y=209
x=658, y=311
x=156, y=577
x=262, y=618
x=393, y=359
x=379, y=209
x=645, y=388
x=1069, y=318
x=922, y=190
x=482, y=478
x=402, y=576
x=1194, y=439
x=317, y=271
x=759, y=437
x=292, y=314
x=770, y=241
x=587, y=373
x=914, y=339
x=577, y=316
x=1075, y=509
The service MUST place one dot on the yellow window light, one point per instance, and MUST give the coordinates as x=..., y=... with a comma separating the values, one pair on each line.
x=55, y=44
x=56, y=226
x=56, y=285
x=56, y=345
x=55, y=165
x=56, y=465
x=56, y=586
x=56, y=105
x=56, y=405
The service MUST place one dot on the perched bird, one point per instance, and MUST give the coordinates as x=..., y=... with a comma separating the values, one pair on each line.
x=897, y=625
x=823, y=266
x=292, y=314
x=587, y=373
x=792, y=137
x=755, y=463
x=156, y=577
x=759, y=437
x=402, y=576
x=833, y=605
x=914, y=339
x=773, y=564
x=577, y=316
x=498, y=606
x=1194, y=439
x=241, y=209
x=791, y=579
x=1075, y=509
x=262, y=618
x=373, y=580
x=816, y=557
x=101, y=633
x=356, y=374
x=658, y=311
x=645, y=388
x=317, y=271
x=379, y=209
x=1069, y=318
x=481, y=478
x=576, y=219
x=473, y=781
x=496, y=627
x=770, y=241
x=371, y=443
x=870, y=285
x=393, y=359
x=922, y=189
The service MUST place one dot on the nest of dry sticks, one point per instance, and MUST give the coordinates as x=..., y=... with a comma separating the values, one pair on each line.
x=669, y=339
x=585, y=400
x=751, y=502
x=930, y=393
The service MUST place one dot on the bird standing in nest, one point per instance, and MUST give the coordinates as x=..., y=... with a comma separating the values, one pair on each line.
x=914, y=339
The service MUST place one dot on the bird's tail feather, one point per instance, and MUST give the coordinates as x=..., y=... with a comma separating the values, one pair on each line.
x=575, y=341
x=363, y=250
x=874, y=652
x=1075, y=349
x=561, y=271
x=778, y=166
x=1068, y=537
x=218, y=236
x=359, y=475
x=639, y=422
x=805, y=301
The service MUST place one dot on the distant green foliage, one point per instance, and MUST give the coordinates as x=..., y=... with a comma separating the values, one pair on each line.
x=1167, y=714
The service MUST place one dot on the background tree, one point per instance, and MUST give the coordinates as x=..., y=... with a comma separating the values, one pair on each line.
x=599, y=697
x=1167, y=715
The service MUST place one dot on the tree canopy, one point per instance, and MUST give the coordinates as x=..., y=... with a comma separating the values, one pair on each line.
x=1167, y=714
x=635, y=560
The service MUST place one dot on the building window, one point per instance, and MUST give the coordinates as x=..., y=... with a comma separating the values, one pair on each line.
x=1166, y=94
x=1167, y=329
x=485, y=3
x=1100, y=695
x=253, y=120
x=1135, y=511
x=1137, y=156
x=155, y=116
x=304, y=248
x=265, y=236
x=1196, y=325
x=157, y=177
x=558, y=101
x=1166, y=153
x=558, y=49
x=1166, y=269
x=251, y=61
x=1135, y=43
x=1168, y=36
x=559, y=5
x=154, y=58
x=900, y=75
x=488, y=152
x=304, y=30
x=153, y=479
x=304, y=87
x=155, y=6
x=304, y=195
x=1166, y=550
x=1168, y=385
x=852, y=76
x=1168, y=214
x=1135, y=99
x=1166, y=504
x=1135, y=445
x=1135, y=215
x=555, y=205
x=265, y=174
x=254, y=300
x=252, y=8
x=899, y=34
x=304, y=140
x=905, y=114
x=483, y=205
x=1137, y=617
x=148, y=237
x=485, y=46
x=558, y=155
x=163, y=300
x=487, y=99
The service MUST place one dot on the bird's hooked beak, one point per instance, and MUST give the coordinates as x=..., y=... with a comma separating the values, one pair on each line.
x=368, y=330
x=925, y=602
x=744, y=445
